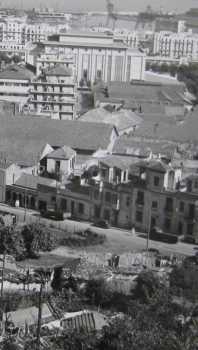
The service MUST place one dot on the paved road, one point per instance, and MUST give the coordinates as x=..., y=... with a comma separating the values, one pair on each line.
x=118, y=240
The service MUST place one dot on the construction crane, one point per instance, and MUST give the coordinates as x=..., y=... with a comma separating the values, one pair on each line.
x=111, y=15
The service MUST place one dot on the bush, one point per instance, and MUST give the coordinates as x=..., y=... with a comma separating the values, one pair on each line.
x=83, y=239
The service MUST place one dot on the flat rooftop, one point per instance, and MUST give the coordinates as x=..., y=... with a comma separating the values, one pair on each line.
x=87, y=44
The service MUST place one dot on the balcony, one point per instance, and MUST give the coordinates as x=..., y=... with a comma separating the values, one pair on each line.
x=65, y=102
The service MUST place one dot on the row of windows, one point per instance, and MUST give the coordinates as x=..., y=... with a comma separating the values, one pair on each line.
x=80, y=206
x=112, y=198
x=168, y=205
x=167, y=223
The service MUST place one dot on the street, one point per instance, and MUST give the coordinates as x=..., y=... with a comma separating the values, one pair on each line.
x=118, y=240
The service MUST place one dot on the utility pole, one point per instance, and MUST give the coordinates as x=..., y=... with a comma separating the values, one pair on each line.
x=149, y=227
x=2, y=282
x=39, y=317
x=25, y=205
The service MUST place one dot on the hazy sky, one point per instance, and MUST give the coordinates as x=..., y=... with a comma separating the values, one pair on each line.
x=131, y=5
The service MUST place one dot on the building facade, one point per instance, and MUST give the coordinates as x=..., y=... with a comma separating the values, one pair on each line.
x=176, y=45
x=53, y=93
x=97, y=56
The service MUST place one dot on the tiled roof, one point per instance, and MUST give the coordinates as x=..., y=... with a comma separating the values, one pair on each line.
x=16, y=72
x=31, y=181
x=22, y=138
x=135, y=93
x=62, y=153
x=129, y=146
x=155, y=165
x=59, y=70
x=122, y=119
x=120, y=162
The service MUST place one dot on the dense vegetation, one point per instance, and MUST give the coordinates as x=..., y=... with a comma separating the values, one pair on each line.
x=150, y=318
x=26, y=241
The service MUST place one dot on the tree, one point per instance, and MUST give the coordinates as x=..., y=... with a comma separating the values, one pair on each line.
x=96, y=292
x=146, y=287
x=76, y=339
x=11, y=242
x=184, y=281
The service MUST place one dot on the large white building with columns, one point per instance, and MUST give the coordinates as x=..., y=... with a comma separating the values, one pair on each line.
x=96, y=55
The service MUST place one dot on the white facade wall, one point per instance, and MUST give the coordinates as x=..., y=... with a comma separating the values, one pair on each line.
x=176, y=45
x=115, y=64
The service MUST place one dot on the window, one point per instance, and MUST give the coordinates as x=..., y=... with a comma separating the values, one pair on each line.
x=139, y=216
x=53, y=199
x=103, y=173
x=96, y=194
x=128, y=199
x=64, y=204
x=156, y=181
x=57, y=166
x=81, y=208
x=167, y=224
x=154, y=205
x=181, y=207
x=191, y=211
x=106, y=215
x=124, y=176
x=196, y=184
x=114, y=198
x=108, y=197
x=169, y=204
x=190, y=229
x=140, y=198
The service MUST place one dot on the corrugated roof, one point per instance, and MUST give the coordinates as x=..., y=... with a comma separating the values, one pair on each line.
x=87, y=320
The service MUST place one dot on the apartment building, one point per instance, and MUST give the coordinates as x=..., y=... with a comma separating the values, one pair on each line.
x=14, y=85
x=176, y=45
x=17, y=32
x=96, y=56
x=53, y=93
x=44, y=61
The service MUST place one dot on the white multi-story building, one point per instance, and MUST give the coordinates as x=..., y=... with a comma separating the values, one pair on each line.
x=131, y=39
x=16, y=32
x=53, y=93
x=176, y=45
x=96, y=55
